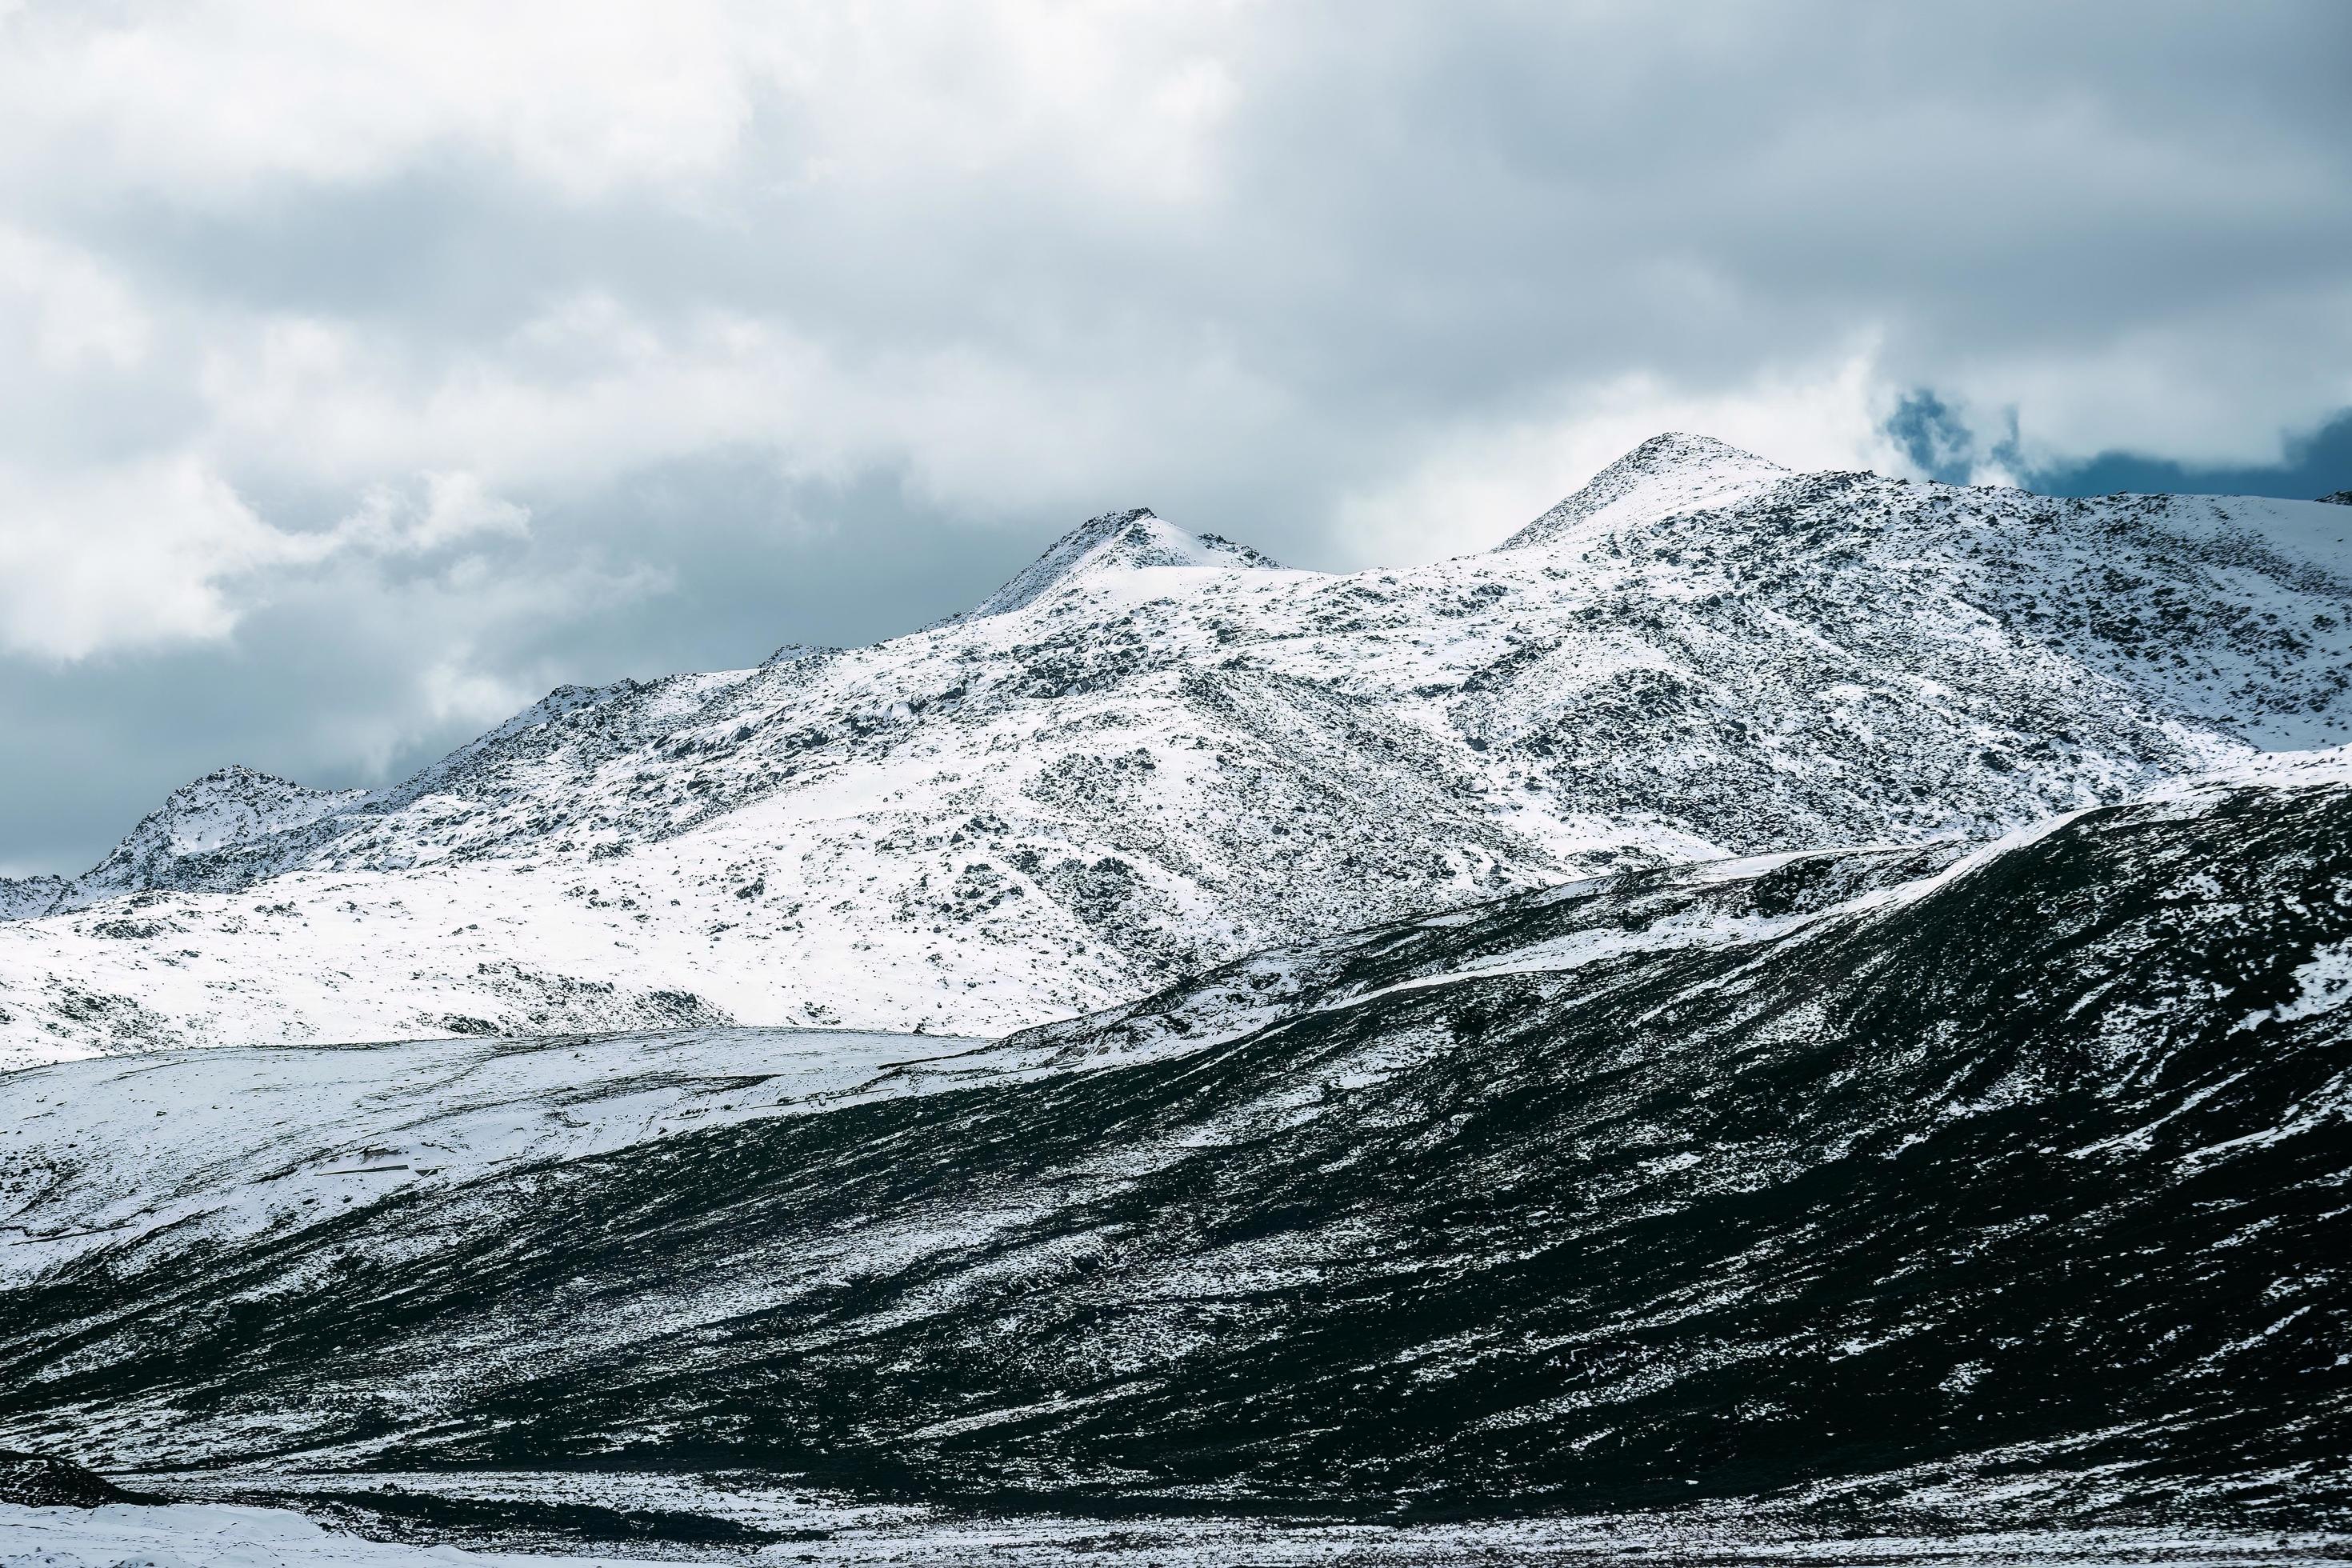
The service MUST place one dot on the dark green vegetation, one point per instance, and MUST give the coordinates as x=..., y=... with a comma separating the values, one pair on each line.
x=2024, y=1194
x=43, y=1481
x=392, y=1513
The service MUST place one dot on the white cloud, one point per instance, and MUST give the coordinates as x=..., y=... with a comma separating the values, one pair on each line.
x=215, y=99
x=450, y=649
x=578, y=392
x=452, y=507
x=66, y=309
x=221, y=94
x=1028, y=253
x=2214, y=388
x=167, y=551
x=130, y=557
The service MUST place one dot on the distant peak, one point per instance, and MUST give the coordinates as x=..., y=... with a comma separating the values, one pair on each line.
x=1117, y=540
x=1665, y=475
x=28, y=898
x=237, y=781
x=1676, y=450
x=2338, y=498
x=228, y=805
x=238, y=773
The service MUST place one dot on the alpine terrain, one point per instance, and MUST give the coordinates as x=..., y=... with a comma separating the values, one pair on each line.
x=1777, y=1016
x=1156, y=751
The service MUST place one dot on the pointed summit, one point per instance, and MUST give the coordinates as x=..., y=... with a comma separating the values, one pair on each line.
x=227, y=808
x=1117, y=540
x=233, y=803
x=1665, y=475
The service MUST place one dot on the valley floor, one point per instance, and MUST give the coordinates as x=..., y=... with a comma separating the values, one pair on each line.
x=555, y=1520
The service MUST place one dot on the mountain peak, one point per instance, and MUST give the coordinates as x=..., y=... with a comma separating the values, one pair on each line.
x=22, y=897
x=2338, y=498
x=1666, y=474
x=1117, y=540
x=225, y=807
x=234, y=779
x=1674, y=451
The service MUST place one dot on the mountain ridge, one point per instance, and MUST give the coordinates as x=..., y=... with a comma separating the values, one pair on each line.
x=1171, y=751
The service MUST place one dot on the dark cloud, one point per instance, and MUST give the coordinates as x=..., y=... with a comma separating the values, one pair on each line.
x=2316, y=463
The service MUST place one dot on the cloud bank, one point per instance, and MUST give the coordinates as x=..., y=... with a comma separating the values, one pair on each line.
x=364, y=369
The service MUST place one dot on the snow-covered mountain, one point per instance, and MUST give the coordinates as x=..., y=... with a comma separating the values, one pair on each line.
x=211, y=818
x=1920, y=1188
x=22, y=897
x=1115, y=542
x=1154, y=750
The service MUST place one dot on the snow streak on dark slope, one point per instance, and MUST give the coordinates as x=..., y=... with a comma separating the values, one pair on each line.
x=1156, y=751
x=2013, y=1187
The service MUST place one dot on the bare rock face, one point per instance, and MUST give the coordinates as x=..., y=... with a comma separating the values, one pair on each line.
x=2338, y=498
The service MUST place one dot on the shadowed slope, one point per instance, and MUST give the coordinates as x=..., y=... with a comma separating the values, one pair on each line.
x=2021, y=1178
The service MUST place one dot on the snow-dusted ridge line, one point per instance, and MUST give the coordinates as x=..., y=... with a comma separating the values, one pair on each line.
x=841, y=1531
x=1117, y=540
x=1665, y=474
x=1157, y=752
x=229, y=1143
x=1281, y=985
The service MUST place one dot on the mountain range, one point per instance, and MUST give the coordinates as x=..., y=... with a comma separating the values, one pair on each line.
x=1769, y=1008
x=1153, y=751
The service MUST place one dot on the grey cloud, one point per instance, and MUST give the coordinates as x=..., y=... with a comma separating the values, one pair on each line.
x=1400, y=232
x=708, y=564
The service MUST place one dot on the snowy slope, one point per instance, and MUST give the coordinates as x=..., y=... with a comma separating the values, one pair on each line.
x=22, y=897
x=1791, y=1178
x=1153, y=751
x=604, y=1521
x=1115, y=542
x=1666, y=476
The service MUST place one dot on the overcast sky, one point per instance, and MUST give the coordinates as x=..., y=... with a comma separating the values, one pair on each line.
x=367, y=370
